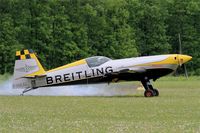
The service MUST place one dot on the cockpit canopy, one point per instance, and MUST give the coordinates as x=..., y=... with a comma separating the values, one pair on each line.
x=96, y=60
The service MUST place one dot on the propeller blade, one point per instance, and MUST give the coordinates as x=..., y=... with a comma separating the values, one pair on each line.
x=181, y=64
x=180, y=45
x=185, y=71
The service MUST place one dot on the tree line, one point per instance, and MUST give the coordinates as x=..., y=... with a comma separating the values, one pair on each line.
x=62, y=31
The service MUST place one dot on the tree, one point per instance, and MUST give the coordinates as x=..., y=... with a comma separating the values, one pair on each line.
x=8, y=41
x=148, y=18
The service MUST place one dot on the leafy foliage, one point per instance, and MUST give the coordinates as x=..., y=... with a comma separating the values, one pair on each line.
x=64, y=31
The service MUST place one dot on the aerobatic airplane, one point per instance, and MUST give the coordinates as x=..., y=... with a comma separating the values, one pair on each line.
x=29, y=73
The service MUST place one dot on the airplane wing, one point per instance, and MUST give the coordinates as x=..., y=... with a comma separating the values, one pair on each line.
x=132, y=70
x=114, y=76
x=127, y=70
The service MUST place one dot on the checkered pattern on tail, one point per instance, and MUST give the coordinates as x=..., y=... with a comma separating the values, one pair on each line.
x=25, y=54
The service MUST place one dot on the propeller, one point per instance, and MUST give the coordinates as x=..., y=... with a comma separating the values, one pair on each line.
x=181, y=64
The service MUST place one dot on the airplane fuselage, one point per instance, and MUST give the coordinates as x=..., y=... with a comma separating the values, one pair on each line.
x=80, y=72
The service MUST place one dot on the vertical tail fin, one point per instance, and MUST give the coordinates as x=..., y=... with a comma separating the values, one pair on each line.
x=27, y=66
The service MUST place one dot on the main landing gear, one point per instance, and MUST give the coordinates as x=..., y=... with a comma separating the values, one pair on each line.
x=149, y=90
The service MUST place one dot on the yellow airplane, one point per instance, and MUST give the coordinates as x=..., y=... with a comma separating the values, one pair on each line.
x=29, y=73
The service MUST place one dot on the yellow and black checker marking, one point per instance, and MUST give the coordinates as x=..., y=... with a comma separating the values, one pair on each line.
x=25, y=54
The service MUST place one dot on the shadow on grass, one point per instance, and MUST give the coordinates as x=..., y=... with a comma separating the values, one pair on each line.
x=133, y=96
x=117, y=96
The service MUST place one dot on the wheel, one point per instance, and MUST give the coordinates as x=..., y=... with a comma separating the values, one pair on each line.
x=148, y=93
x=156, y=92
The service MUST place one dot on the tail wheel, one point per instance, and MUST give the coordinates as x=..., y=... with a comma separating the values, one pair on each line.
x=148, y=93
x=156, y=92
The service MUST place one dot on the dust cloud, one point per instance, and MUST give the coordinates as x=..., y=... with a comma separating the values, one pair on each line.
x=114, y=89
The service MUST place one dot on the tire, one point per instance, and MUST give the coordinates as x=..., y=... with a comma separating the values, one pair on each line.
x=148, y=93
x=156, y=92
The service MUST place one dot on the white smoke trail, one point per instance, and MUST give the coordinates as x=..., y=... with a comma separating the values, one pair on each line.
x=115, y=89
x=6, y=88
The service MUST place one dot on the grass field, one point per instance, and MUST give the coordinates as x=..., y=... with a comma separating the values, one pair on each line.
x=177, y=109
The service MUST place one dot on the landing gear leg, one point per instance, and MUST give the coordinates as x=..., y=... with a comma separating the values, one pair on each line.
x=149, y=90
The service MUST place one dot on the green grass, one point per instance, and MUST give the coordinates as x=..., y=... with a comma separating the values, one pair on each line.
x=177, y=109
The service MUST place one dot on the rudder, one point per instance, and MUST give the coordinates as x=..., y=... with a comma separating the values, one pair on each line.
x=27, y=67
